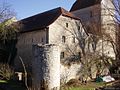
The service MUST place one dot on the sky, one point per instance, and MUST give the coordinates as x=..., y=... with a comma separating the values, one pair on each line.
x=117, y=4
x=26, y=8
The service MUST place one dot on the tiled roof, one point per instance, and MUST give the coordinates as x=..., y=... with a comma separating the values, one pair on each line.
x=79, y=4
x=44, y=19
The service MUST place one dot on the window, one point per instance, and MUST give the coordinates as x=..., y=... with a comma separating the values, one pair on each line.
x=62, y=55
x=73, y=40
x=66, y=24
x=91, y=14
x=78, y=28
x=63, y=39
x=79, y=54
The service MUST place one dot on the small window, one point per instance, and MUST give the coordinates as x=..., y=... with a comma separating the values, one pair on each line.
x=73, y=40
x=79, y=54
x=91, y=14
x=66, y=24
x=62, y=55
x=63, y=39
x=78, y=28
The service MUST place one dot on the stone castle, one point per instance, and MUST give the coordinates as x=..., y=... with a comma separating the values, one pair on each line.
x=49, y=38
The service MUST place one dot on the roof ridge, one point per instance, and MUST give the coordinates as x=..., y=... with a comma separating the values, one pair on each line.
x=64, y=12
x=41, y=13
x=44, y=19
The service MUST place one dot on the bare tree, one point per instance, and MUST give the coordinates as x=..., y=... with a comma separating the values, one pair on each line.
x=114, y=37
x=89, y=56
x=116, y=4
x=5, y=11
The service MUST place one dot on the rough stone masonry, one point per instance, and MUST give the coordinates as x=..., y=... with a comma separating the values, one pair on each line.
x=46, y=67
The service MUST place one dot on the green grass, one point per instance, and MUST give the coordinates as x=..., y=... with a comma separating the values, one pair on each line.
x=80, y=88
x=88, y=86
x=3, y=81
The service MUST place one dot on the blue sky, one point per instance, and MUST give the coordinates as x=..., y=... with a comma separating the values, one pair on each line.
x=26, y=8
x=117, y=2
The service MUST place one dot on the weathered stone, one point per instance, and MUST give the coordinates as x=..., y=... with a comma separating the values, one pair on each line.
x=46, y=67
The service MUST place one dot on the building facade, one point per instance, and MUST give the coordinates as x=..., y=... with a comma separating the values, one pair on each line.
x=71, y=31
x=98, y=16
x=62, y=31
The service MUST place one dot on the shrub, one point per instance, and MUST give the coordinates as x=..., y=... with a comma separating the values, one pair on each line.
x=6, y=72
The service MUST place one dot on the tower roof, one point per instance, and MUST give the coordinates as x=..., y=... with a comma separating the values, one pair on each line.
x=79, y=4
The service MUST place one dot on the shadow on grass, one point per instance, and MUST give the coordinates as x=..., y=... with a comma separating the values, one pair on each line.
x=11, y=85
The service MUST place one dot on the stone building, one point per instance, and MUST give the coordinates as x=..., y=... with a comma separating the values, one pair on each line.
x=98, y=18
x=61, y=27
x=56, y=26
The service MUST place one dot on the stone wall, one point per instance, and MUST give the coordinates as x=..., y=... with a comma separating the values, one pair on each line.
x=90, y=17
x=52, y=35
x=70, y=29
x=100, y=18
x=108, y=27
x=69, y=72
x=47, y=70
x=46, y=67
x=24, y=47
